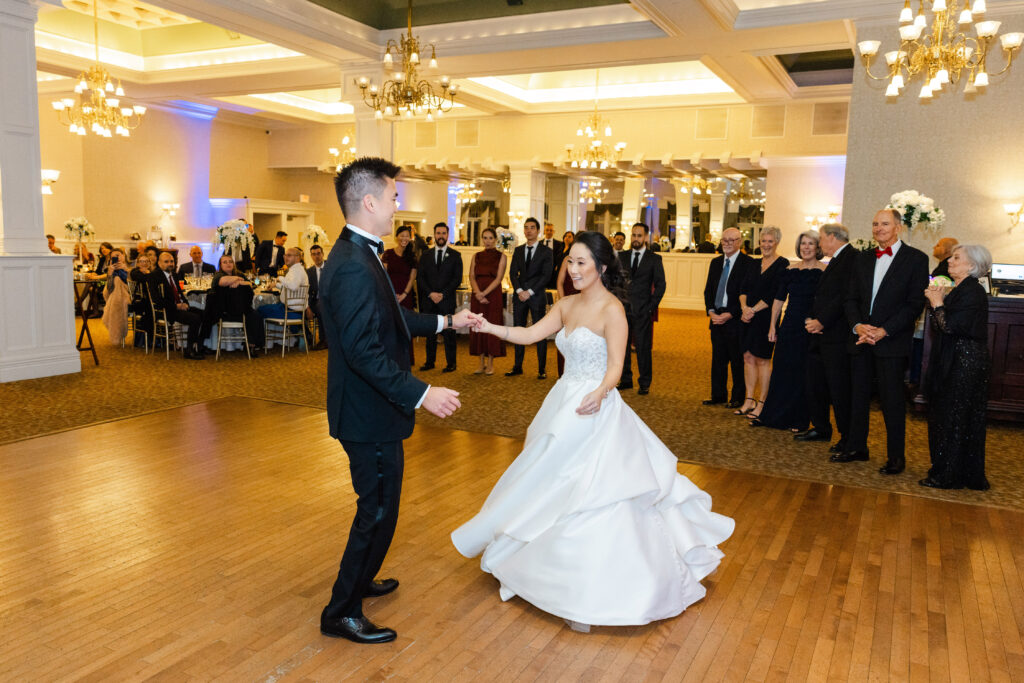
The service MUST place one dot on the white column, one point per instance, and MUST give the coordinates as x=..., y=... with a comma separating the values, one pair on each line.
x=684, y=213
x=37, y=323
x=632, y=203
x=526, y=197
x=574, y=218
x=717, y=214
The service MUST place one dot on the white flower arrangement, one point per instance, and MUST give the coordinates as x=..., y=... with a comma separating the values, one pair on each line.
x=235, y=233
x=917, y=209
x=79, y=229
x=314, y=234
x=506, y=239
x=665, y=243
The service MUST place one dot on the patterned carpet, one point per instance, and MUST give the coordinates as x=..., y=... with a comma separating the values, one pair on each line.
x=128, y=382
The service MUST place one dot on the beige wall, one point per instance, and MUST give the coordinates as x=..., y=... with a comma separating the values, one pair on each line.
x=965, y=153
x=238, y=164
x=797, y=188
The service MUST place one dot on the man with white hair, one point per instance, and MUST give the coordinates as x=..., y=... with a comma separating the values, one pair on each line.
x=726, y=276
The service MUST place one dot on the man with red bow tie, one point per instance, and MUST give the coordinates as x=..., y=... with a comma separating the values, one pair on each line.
x=885, y=298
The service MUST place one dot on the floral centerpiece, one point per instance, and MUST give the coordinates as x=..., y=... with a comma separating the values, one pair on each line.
x=314, y=234
x=864, y=245
x=917, y=211
x=79, y=229
x=234, y=237
x=665, y=243
x=506, y=239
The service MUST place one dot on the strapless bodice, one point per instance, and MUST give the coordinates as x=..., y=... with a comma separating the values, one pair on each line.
x=586, y=354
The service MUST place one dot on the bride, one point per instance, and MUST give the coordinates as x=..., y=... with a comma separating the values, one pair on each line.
x=592, y=522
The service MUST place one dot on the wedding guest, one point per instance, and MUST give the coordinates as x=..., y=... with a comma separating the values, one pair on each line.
x=234, y=299
x=167, y=296
x=400, y=263
x=270, y=255
x=786, y=406
x=727, y=275
x=828, y=361
x=746, y=247
x=756, y=302
x=619, y=241
x=117, y=268
x=82, y=255
x=486, y=271
x=294, y=278
x=885, y=297
x=438, y=276
x=706, y=246
x=101, y=261
x=139, y=275
x=942, y=251
x=567, y=239
x=531, y=269
x=195, y=267
x=958, y=372
x=116, y=296
x=557, y=252
x=313, y=274
x=646, y=277
x=51, y=243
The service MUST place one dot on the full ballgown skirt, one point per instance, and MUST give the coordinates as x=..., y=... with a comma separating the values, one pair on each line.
x=592, y=522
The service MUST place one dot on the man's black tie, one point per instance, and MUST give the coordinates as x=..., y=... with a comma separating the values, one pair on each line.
x=529, y=256
x=437, y=257
x=636, y=263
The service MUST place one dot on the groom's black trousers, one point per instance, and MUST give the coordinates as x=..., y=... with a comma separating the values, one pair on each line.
x=377, y=479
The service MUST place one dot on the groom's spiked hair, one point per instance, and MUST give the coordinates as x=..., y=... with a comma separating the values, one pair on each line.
x=362, y=177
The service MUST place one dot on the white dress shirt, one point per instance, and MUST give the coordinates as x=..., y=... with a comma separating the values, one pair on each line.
x=295, y=277
x=533, y=255
x=882, y=264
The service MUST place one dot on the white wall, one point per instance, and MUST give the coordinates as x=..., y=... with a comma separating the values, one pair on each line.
x=798, y=187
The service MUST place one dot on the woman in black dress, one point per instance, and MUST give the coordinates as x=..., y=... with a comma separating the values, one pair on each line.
x=786, y=404
x=756, y=300
x=956, y=383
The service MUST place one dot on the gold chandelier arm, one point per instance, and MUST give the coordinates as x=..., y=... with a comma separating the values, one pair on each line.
x=1009, y=61
x=867, y=70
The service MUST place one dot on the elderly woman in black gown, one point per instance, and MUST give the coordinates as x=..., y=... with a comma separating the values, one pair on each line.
x=958, y=370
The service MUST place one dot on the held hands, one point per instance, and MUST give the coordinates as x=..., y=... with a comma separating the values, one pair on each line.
x=466, y=318
x=814, y=326
x=869, y=334
x=481, y=298
x=720, y=318
x=435, y=297
x=441, y=401
x=748, y=314
x=591, y=403
x=523, y=295
x=935, y=295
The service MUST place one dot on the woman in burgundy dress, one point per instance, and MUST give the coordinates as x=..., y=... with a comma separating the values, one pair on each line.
x=565, y=288
x=486, y=271
x=400, y=263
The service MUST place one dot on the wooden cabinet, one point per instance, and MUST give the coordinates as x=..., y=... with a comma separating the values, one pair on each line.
x=1006, y=346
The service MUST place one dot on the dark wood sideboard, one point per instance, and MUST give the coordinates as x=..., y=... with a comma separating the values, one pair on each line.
x=1006, y=346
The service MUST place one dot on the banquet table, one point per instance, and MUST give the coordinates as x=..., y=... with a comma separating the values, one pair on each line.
x=261, y=297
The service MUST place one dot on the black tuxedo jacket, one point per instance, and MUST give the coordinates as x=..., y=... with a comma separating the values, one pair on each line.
x=314, y=284
x=647, y=287
x=537, y=275
x=557, y=253
x=264, y=252
x=899, y=301
x=445, y=279
x=161, y=292
x=829, y=307
x=738, y=274
x=371, y=393
x=186, y=269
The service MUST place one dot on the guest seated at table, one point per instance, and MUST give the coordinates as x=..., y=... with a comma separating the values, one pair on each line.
x=140, y=248
x=234, y=301
x=167, y=296
x=116, y=296
x=196, y=267
x=117, y=268
x=140, y=297
x=313, y=273
x=51, y=242
x=101, y=262
x=295, y=277
x=82, y=255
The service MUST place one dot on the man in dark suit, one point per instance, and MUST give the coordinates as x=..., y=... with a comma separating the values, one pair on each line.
x=885, y=297
x=167, y=296
x=828, y=360
x=371, y=393
x=438, y=276
x=530, y=273
x=646, y=288
x=557, y=253
x=270, y=255
x=313, y=275
x=726, y=275
x=196, y=267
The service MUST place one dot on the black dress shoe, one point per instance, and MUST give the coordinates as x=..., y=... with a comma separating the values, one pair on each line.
x=713, y=401
x=837, y=447
x=935, y=484
x=192, y=355
x=812, y=435
x=449, y=368
x=542, y=375
x=643, y=391
x=381, y=587
x=730, y=405
x=892, y=468
x=756, y=422
x=356, y=629
x=624, y=385
x=513, y=372
x=849, y=456
x=426, y=366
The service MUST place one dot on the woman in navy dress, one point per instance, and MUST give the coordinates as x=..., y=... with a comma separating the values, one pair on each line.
x=756, y=300
x=786, y=404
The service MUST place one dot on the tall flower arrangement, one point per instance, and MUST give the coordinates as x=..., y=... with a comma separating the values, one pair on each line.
x=79, y=229
x=313, y=235
x=234, y=237
x=506, y=240
x=917, y=211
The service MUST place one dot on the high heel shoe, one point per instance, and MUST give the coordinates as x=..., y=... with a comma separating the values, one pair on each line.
x=741, y=411
x=751, y=415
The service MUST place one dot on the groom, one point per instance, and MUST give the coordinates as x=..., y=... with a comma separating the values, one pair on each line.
x=371, y=394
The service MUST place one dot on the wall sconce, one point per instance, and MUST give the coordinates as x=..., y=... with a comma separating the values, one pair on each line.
x=49, y=178
x=1015, y=212
x=171, y=210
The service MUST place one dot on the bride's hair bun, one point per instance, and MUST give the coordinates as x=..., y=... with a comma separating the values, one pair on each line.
x=614, y=278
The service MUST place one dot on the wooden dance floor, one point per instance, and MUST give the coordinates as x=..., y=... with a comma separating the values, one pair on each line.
x=200, y=543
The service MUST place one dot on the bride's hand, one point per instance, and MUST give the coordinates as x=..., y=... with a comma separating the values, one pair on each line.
x=591, y=403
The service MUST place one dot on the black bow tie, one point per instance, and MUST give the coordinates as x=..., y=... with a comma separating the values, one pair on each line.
x=379, y=246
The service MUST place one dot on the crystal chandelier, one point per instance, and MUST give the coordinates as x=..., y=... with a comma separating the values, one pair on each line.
x=592, y=192
x=466, y=193
x=745, y=193
x=695, y=185
x=102, y=112
x=340, y=158
x=405, y=94
x=596, y=153
x=944, y=52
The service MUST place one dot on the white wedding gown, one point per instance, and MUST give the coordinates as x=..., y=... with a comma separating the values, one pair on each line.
x=592, y=522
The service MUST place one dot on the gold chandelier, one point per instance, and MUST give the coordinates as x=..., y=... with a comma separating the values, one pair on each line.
x=745, y=193
x=102, y=113
x=592, y=191
x=340, y=158
x=466, y=193
x=597, y=153
x=695, y=185
x=945, y=51
x=405, y=94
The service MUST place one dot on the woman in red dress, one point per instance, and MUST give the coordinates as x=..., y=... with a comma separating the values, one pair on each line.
x=400, y=263
x=486, y=271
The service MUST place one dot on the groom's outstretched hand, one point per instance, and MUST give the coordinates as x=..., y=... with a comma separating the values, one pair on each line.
x=466, y=318
x=441, y=401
